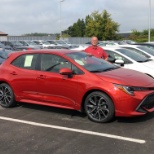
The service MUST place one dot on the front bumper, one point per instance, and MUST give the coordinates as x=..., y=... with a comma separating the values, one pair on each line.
x=139, y=104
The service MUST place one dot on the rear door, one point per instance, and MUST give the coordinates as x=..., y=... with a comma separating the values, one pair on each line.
x=23, y=76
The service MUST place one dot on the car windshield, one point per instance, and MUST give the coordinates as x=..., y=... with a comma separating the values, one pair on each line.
x=67, y=42
x=37, y=42
x=23, y=43
x=45, y=42
x=60, y=42
x=91, y=63
x=149, y=46
x=16, y=43
x=133, y=55
x=51, y=42
x=146, y=49
x=31, y=43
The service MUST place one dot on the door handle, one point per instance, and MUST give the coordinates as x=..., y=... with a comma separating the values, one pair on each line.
x=13, y=73
x=42, y=77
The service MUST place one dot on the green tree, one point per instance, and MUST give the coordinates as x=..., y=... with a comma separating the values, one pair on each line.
x=134, y=35
x=78, y=29
x=38, y=34
x=101, y=25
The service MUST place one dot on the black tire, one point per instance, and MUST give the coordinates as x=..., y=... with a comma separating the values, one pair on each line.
x=7, y=98
x=99, y=107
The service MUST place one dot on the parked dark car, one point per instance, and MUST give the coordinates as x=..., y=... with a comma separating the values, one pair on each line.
x=4, y=54
x=31, y=44
x=16, y=45
x=7, y=47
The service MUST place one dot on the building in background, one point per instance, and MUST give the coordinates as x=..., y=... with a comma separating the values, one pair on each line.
x=3, y=36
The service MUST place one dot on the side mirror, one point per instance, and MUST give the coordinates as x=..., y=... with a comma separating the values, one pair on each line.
x=119, y=62
x=66, y=71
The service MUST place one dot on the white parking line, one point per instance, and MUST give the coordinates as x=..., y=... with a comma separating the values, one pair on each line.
x=75, y=130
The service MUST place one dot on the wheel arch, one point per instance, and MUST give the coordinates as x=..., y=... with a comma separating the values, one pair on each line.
x=3, y=81
x=90, y=91
x=7, y=95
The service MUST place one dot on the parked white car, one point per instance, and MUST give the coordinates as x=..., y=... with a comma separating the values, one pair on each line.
x=130, y=60
x=143, y=50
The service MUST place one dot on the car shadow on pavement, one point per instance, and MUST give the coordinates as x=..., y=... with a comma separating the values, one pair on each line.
x=137, y=119
x=67, y=112
x=77, y=114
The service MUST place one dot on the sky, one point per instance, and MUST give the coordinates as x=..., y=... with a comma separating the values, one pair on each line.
x=18, y=17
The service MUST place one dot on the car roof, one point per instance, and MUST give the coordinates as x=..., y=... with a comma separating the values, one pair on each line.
x=53, y=51
x=129, y=45
x=112, y=47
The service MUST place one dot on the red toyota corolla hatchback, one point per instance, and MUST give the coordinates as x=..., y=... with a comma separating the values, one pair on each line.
x=75, y=80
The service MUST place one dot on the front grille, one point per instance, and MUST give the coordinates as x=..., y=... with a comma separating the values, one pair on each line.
x=149, y=106
x=147, y=103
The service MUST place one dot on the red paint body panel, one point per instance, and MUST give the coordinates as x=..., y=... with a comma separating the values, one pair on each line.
x=54, y=89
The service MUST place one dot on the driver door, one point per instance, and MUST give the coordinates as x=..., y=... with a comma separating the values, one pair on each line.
x=54, y=88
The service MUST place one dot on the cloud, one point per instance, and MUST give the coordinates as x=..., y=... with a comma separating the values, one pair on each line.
x=28, y=16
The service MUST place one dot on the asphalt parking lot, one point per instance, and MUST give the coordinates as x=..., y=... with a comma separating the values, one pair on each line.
x=39, y=129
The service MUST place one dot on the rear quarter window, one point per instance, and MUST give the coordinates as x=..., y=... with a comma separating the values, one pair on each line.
x=27, y=61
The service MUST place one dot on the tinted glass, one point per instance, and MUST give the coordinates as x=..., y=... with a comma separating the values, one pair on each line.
x=113, y=56
x=146, y=49
x=91, y=63
x=27, y=61
x=132, y=55
x=138, y=51
x=53, y=63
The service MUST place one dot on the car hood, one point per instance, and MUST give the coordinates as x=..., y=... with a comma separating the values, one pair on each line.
x=127, y=77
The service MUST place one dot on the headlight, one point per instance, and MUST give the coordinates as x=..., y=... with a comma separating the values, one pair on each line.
x=127, y=89
x=130, y=89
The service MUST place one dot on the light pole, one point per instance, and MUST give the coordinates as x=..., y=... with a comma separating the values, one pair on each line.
x=149, y=20
x=60, y=18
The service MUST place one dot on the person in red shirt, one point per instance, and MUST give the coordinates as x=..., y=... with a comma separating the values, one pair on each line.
x=95, y=50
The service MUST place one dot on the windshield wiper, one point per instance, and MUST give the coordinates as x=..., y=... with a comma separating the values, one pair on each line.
x=142, y=61
x=139, y=61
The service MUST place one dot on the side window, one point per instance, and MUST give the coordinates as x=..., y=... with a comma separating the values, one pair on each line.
x=53, y=63
x=76, y=70
x=46, y=62
x=111, y=57
x=116, y=56
x=27, y=61
x=126, y=61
